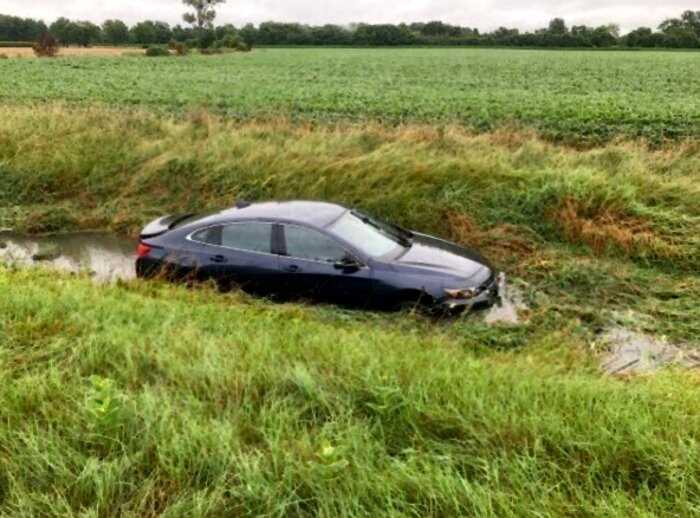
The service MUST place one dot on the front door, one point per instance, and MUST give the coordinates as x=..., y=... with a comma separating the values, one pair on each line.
x=314, y=265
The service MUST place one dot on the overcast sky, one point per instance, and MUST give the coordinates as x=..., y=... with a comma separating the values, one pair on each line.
x=484, y=14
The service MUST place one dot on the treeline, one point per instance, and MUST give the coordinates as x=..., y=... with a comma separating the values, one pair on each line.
x=682, y=32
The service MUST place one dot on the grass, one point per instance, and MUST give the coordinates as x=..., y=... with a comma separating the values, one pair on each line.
x=595, y=234
x=621, y=199
x=576, y=96
x=146, y=399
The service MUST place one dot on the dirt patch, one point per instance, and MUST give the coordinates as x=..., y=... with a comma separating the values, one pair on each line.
x=629, y=352
x=22, y=52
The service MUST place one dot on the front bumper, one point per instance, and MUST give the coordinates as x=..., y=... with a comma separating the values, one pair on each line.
x=491, y=293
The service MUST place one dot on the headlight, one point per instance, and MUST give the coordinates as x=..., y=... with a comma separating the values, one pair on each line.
x=462, y=293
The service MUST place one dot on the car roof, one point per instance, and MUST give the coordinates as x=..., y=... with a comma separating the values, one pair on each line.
x=314, y=213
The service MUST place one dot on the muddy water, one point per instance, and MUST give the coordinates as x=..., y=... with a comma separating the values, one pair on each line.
x=509, y=307
x=631, y=352
x=105, y=256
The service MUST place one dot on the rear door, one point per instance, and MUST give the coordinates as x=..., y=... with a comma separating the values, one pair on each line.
x=310, y=267
x=239, y=254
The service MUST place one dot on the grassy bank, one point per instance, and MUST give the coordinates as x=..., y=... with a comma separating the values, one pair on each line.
x=595, y=234
x=146, y=399
x=576, y=96
x=81, y=168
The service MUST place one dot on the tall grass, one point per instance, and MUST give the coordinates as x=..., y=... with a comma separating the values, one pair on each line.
x=611, y=233
x=145, y=399
x=70, y=168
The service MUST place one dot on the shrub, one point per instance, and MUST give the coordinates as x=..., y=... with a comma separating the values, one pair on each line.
x=46, y=47
x=192, y=43
x=242, y=46
x=207, y=39
x=178, y=47
x=3, y=56
x=154, y=51
x=230, y=41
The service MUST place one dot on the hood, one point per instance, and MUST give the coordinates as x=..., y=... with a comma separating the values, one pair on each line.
x=447, y=258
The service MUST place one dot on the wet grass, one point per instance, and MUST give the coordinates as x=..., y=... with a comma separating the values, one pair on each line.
x=146, y=399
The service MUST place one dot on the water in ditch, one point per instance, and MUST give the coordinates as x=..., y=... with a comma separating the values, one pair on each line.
x=107, y=257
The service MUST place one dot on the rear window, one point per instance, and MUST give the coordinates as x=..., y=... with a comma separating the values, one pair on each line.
x=209, y=236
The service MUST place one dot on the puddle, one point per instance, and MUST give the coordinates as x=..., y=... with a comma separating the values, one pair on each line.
x=636, y=353
x=107, y=257
x=508, y=310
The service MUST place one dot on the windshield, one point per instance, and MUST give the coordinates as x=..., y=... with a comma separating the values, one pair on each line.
x=367, y=236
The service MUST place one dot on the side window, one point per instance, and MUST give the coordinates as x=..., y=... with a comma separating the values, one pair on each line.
x=306, y=243
x=253, y=237
x=209, y=236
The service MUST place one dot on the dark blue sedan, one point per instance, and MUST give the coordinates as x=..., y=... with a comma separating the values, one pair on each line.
x=319, y=251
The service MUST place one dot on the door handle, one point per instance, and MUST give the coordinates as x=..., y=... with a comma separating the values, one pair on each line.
x=292, y=268
x=218, y=259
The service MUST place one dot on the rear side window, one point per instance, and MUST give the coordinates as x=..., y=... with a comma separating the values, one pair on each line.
x=209, y=236
x=252, y=237
x=306, y=243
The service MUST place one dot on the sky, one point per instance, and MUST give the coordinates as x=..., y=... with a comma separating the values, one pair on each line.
x=483, y=14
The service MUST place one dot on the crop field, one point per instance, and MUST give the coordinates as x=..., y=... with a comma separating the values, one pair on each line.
x=580, y=96
x=146, y=399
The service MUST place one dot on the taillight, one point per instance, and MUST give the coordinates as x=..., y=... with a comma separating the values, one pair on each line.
x=143, y=250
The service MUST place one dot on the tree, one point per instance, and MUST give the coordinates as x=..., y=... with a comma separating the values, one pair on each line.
x=62, y=29
x=13, y=28
x=641, y=37
x=203, y=15
x=163, y=33
x=557, y=26
x=692, y=21
x=76, y=33
x=380, y=35
x=605, y=36
x=115, y=32
x=86, y=33
x=682, y=32
x=249, y=34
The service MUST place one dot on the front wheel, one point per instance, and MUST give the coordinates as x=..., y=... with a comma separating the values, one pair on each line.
x=413, y=303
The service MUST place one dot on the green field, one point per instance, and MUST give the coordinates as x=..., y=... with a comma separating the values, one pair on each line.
x=572, y=95
x=143, y=399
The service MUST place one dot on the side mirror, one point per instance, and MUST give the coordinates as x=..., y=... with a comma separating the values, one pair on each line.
x=348, y=265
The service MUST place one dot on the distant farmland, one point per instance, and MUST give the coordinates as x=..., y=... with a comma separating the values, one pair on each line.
x=582, y=96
